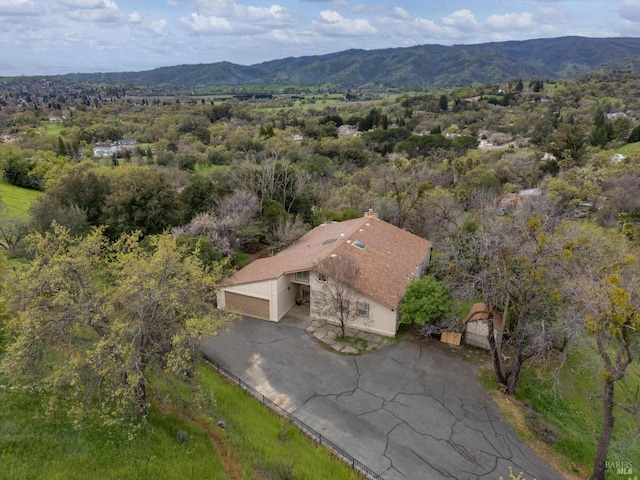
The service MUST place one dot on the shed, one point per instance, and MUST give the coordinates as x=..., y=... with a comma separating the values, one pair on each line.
x=478, y=325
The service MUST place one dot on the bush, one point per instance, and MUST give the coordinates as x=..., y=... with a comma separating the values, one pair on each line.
x=426, y=301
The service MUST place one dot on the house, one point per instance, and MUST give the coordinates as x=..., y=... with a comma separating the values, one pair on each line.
x=387, y=259
x=104, y=149
x=478, y=325
x=348, y=131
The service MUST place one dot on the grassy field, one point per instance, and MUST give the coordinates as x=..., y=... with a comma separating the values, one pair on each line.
x=561, y=416
x=16, y=200
x=630, y=150
x=176, y=443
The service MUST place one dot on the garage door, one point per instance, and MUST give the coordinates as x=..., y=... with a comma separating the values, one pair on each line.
x=251, y=306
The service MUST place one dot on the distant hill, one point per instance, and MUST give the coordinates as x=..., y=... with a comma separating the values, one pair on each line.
x=424, y=65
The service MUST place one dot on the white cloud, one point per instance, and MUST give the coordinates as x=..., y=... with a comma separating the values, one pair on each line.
x=100, y=11
x=203, y=23
x=401, y=13
x=159, y=27
x=431, y=30
x=73, y=4
x=553, y=15
x=461, y=18
x=332, y=23
x=17, y=8
x=231, y=17
x=509, y=21
x=629, y=10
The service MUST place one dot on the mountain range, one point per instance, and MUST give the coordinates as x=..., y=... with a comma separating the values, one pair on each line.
x=410, y=67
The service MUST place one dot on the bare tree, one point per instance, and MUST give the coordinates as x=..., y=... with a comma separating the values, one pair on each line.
x=226, y=230
x=272, y=178
x=12, y=231
x=286, y=231
x=508, y=261
x=337, y=299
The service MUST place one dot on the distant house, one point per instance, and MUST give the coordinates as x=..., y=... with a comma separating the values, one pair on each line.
x=104, y=149
x=387, y=257
x=348, y=131
x=126, y=142
x=515, y=201
x=477, y=323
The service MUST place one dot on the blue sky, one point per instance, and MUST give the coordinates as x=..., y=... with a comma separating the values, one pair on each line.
x=63, y=36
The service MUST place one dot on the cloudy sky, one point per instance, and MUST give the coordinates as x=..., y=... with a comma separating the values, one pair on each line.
x=63, y=36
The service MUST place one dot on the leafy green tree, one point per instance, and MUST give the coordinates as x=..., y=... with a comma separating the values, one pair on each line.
x=86, y=188
x=96, y=325
x=49, y=211
x=426, y=300
x=443, y=103
x=198, y=196
x=15, y=166
x=141, y=199
x=635, y=135
x=602, y=132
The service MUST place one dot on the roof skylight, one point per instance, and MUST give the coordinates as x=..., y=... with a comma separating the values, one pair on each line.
x=359, y=244
x=329, y=240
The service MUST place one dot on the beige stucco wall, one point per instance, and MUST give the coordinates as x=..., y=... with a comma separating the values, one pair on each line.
x=285, y=297
x=477, y=333
x=381, y=320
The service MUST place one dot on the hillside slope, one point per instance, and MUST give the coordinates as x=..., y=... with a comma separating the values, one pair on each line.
x=425, y=65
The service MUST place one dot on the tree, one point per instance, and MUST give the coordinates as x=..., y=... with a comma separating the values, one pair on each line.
x=12, y=231
x=141, y=199
x=426, y=301
x=635, y=135
x=286, y=231
x=198, y=196
x=15, y=167
x=443, y=103
x=337, y=299
x=227, y=229
x=508, y=262
x=97, y=324
x=602, y=289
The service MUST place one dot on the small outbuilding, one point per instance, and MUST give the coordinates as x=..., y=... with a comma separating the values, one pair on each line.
x=478, y=325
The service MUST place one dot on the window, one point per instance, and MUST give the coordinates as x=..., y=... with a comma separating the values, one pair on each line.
x=362, y=309
x=359, y=244
x=302, y=277
x=322, y=278
x=342, y=306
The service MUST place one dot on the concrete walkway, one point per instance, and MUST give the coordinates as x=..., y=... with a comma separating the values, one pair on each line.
x=405, y=411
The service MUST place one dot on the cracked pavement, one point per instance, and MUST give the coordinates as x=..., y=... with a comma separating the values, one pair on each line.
x=406, y=411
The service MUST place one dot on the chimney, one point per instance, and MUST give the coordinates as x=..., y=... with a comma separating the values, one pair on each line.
x=371, y=213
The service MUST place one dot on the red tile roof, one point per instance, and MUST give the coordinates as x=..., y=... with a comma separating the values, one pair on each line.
x=387, y=263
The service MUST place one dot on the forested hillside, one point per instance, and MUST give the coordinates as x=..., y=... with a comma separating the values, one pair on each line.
x=529, y=190
x=413, y=67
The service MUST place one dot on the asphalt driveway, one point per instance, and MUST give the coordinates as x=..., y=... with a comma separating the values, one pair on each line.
x=407, y=411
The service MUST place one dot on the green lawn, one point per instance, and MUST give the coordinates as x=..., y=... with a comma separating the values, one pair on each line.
x=630, y=149
x=16, y=200
x=176, y=443
x=51, y=128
